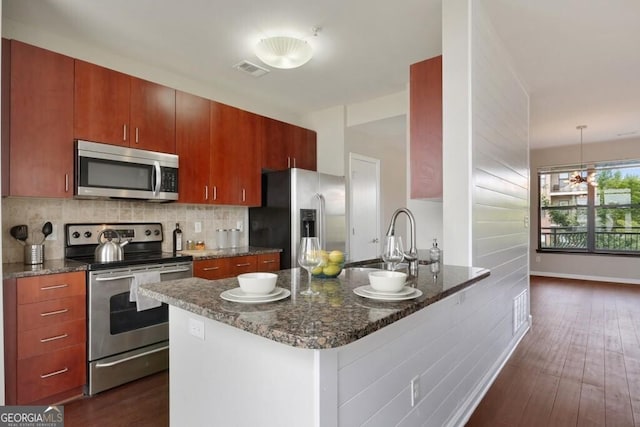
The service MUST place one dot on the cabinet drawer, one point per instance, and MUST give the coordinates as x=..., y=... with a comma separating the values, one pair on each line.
x=50, y=286
x=51, y=338
x=51, y=373
x=39, y=314
x=241, y=264
x=268, y=262
x=210, y=268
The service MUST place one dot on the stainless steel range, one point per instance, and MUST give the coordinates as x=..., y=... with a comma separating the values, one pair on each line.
x=128, y=335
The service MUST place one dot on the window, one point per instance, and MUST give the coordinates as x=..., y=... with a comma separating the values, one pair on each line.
x=591, y=219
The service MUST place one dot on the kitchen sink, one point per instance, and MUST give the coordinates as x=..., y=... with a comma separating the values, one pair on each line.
x=377, y=265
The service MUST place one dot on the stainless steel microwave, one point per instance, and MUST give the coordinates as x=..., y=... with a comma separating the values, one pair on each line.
x=112, y=171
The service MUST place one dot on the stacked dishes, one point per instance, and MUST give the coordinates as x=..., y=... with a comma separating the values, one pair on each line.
x=256, y=288
x=387, y=286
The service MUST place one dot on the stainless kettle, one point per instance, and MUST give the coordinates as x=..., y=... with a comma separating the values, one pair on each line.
x=108, y=250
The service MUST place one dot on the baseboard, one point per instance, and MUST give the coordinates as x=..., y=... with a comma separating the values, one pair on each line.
x=583, y=277
x=462, y=415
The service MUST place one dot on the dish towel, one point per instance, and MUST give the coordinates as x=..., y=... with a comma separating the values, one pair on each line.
x=143, y=302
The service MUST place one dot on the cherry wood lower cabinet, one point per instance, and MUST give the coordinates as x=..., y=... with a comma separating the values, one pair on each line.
x=45, y=338
x=220, y=268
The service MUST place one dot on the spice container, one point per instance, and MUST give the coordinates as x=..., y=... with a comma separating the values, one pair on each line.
x=234, y=235
x=200, y=245
x=221, y=238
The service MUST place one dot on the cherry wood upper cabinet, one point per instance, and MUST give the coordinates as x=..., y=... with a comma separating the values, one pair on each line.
x=115, y=108
x=193, y=147
x=425, y=128
x=235, y=156
x=287, y=146
x=40, y=123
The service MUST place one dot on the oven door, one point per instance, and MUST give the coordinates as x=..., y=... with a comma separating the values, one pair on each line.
x=115, y=325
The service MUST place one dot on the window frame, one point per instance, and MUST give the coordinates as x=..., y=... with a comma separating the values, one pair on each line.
x=591, y=207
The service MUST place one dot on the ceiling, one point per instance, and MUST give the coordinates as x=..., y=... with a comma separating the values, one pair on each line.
x=579, y=60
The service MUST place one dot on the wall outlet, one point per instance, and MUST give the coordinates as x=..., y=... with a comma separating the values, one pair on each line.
x=415, y=390
x=240, y=226
x=198, y=227
x=196, y=328
x=537, y=258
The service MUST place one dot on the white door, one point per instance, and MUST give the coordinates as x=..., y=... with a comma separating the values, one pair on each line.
x=364, y=207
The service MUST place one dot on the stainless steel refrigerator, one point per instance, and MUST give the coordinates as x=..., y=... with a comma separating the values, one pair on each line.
x=298, y=203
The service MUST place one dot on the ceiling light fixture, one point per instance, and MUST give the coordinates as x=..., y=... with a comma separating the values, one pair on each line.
x=285, y=52
x=577, y=177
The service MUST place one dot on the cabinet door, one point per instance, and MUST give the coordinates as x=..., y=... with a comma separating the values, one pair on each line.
x=224, y=141
x=248, y=158
x=275, y=145
x=192, y=145
x=101, y=108
x=41, y=122
x=211, y=269
x=425, y=128
x=241, y=264
x=268, y=262
x=303, y=148
x=153, y=116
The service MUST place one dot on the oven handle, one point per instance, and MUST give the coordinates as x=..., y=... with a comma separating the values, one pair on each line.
x=126, y=359
x=130, y=276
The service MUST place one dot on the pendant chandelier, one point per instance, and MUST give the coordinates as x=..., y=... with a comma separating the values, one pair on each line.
x=577, y=177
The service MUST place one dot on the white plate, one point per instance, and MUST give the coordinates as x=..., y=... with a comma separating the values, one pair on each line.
x=284, y=293
x=359, y=291
x=239, y=293
x=402, y=292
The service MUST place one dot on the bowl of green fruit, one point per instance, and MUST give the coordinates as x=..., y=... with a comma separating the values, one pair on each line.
x=331, y=266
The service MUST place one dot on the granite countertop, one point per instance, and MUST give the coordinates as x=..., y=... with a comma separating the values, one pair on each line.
x=229, y=252
x=333, y=318
x=16, y=270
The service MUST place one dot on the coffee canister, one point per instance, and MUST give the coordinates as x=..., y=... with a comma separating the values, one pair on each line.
x=234, y=235
x=221, y=238
x=33, y=254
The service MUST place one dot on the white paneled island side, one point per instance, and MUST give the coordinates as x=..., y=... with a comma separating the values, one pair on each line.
x=334, y=359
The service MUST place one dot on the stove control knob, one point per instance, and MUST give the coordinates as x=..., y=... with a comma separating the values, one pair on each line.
x=147, y=232
x=75, y=235
x=87, y=234
x=156, y=233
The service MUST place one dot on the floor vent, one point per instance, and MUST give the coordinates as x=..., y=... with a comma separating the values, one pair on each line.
x=520, y=310
x=251, y=68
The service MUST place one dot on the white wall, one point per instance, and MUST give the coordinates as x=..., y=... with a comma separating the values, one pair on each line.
x=592, y=267
x=485, y=200
x=329, y=125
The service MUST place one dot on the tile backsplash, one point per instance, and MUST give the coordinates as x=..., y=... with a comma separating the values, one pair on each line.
x=34, y=212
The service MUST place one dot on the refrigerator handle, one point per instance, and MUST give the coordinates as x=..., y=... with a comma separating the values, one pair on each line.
x=321, y=220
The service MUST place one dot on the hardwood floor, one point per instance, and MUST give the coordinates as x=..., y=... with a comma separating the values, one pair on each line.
x=579, y=365
x=144, y=402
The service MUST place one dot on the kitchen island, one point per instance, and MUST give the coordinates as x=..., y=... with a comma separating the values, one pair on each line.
x=331, y=359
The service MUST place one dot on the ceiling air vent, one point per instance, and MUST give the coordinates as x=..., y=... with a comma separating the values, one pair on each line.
x=250, y=68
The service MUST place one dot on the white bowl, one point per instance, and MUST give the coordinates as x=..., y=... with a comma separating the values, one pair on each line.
x=387, y=281
x=257, y=283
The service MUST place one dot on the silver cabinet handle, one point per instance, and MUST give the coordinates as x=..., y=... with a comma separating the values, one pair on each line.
x=61, y=371
x=53, y=313
x=269, y=261
x=57, y=337
x=243, y=195
x=294, y=162
x=210, y=268
x=66, y=182
x=288, y=161
x=109, y=279
x=215, y=192
x=137, y=135
x=48, y=288
x=124, y=132
x=246, y=264
x=206, y=192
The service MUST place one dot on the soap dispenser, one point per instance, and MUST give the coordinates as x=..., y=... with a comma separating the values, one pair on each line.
x=434, y=252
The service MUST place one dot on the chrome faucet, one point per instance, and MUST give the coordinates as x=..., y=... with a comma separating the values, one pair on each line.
x=412, y=255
